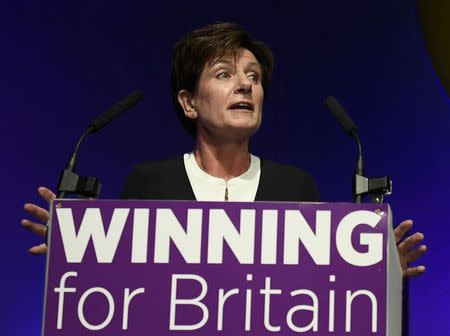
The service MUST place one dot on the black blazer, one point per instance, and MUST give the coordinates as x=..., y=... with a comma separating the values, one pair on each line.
x=167, y=180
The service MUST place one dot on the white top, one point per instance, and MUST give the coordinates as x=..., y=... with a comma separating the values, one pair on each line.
x=209, y=188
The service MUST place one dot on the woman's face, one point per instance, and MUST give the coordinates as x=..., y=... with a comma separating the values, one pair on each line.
x=229, y=97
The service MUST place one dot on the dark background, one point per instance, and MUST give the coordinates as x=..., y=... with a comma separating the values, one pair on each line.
x=63, y=63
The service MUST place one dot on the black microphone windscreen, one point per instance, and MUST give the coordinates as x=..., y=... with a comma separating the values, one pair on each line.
x=339, y=113
x=116, y=110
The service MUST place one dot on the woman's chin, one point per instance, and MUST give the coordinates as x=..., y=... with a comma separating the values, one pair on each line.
x=242, y=131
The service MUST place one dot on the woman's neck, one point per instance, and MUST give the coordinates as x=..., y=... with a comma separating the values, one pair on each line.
x=223, y=160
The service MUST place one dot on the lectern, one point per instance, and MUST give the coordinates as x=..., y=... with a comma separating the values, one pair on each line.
x=221, y=268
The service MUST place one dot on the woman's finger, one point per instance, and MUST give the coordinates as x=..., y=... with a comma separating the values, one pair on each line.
x=416, y=253
x=46, y=194
x=38, y=249
x=402, y=229
x=36, y=211
x=412, y=272
x=409, y=242
x=37, y=228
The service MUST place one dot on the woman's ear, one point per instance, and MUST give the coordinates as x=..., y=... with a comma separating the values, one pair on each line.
x=187, y=103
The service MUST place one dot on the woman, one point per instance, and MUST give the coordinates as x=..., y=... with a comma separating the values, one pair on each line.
x=219, y=75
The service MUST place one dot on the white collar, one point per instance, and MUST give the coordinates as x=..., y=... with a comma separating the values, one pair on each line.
x=211, y=188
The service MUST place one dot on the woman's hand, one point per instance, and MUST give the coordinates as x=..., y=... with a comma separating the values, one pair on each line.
x=409, y=249
x=39, y=214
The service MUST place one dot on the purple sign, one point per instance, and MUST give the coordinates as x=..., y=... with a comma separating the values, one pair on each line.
x=213, y=268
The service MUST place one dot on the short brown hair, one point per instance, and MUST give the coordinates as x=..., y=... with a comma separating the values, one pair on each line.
x=205, y=45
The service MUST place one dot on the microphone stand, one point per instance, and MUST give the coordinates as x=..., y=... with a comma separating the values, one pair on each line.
x=376, y=187
x=88, y=186
x=72, y=183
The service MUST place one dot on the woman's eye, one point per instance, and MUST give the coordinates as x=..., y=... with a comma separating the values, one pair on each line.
x=223, y=75
x=254, y=77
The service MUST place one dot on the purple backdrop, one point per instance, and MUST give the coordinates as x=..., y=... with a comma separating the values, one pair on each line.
x=63, y=63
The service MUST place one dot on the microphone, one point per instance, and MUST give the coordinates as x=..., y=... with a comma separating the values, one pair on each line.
x=350, y=128
x=114, y=111
x=69, y=181
x=342, y=117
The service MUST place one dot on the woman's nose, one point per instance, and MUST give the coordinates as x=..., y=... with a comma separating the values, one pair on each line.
x=244, y=84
